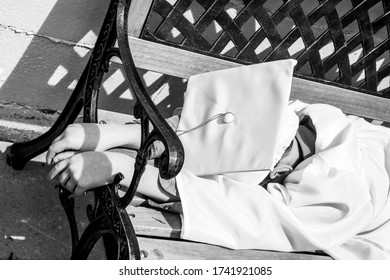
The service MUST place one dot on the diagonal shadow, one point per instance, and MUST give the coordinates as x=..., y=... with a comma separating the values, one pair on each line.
x=50, y=66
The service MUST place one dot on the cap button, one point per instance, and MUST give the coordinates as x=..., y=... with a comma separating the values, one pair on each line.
x=228, y=117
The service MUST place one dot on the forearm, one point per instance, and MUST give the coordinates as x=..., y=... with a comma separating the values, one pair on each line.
x=123, y=161
x=128, y=136
x=115, y=135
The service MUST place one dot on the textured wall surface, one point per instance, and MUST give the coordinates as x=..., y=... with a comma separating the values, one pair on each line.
x=44, y=48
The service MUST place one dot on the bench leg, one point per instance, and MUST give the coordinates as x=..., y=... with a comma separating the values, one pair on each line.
x=108, y=222
x=68, y=205
x=94, y=231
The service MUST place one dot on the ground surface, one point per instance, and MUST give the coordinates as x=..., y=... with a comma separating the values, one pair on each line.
x=33, y=224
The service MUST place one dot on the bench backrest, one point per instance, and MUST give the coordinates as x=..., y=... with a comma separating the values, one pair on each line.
x=155, y=48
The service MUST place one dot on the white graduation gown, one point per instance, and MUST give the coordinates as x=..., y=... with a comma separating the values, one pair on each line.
x=335, y=201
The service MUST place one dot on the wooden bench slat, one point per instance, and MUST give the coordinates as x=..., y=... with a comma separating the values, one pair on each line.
x=151, y=222
x=170, y=249
x=181, y=63
x=173, y=61
x=138, y=14
x=350, y=102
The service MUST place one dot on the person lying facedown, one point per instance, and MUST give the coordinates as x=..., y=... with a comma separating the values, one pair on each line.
x=335, y=199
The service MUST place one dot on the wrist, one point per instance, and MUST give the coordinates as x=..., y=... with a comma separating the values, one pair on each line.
x=122, y=163
x=115, y=135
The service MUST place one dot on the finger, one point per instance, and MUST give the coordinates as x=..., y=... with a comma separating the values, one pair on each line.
x=49, y=154
x=71, y=185
x=64, y=155
x=79, y=190
x=63, y=178
x=59, y=137
x=57, y=169
x=55, y=149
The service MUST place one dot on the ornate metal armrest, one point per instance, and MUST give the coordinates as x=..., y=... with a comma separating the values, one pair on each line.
x=171, y=161
x=108, y=216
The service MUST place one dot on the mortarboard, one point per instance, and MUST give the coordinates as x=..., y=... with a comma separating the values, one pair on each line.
x=232, y=119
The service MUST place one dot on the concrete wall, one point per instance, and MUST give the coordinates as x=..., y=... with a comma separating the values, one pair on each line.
x=44, y=47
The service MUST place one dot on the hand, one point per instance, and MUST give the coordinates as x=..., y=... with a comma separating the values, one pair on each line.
x=83, y=171
x=94, y=137
x=80, y=137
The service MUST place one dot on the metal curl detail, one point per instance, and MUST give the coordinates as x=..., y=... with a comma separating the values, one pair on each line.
x=110, y=53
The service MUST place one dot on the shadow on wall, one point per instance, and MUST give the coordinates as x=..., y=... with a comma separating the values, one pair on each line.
x=56, y=55
x=49, y=68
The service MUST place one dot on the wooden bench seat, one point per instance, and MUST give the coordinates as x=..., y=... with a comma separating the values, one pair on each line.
x=159, y=232
x=169, y=249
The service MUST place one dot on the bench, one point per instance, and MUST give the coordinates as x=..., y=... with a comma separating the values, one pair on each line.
x=130, y=36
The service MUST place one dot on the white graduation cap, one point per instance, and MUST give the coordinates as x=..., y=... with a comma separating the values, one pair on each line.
x=232, y=119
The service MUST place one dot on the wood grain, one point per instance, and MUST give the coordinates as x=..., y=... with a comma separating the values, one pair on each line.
x=181, y=63
x=170, y=249
x=138, y=13
x=151, y=222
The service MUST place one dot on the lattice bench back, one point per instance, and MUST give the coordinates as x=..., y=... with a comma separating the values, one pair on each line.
x=345, y=41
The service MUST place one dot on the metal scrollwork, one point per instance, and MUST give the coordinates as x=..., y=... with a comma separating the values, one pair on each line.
x=99, y=63
x=108, y=216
